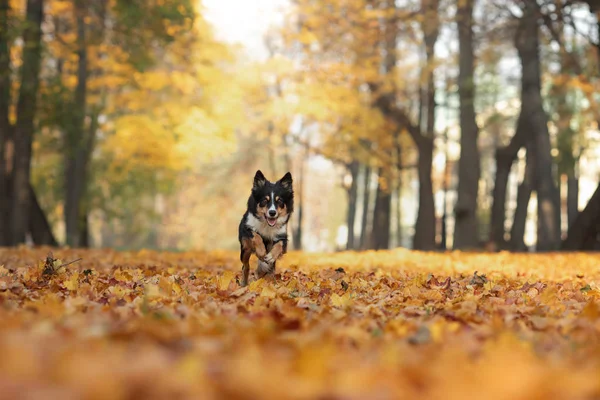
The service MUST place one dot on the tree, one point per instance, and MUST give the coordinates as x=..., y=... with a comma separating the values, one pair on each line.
x=352, y=202
x=5, y=128
x=25, y=125
x=466, y=235
x=527, y=42
x=531, y=126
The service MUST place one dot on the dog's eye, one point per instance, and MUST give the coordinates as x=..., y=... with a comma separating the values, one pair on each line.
x=263, y=203
x=280, y=203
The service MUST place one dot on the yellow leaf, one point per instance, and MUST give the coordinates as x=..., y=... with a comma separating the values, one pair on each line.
x=224, y=280
x=72, y=283
x=268, y=292
x=341, y=301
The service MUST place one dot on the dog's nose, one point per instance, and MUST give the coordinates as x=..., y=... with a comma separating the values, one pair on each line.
x=272, y=213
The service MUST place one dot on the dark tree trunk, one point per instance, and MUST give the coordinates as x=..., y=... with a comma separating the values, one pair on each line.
x=585, y=231
x=517, y=233
x=548, y=197
x=25, y=126
x=446, y=184
x=77, y=141
x=5, y=127
x=465, y=234
x=424, y=238
x=364, y=223
x=572, y=199
x=505, y=156
x=380, y=235
x=352, y=197
x=299, y=208
x=382, y=214
x=40, y=229
x=84, y=232
x=399, y=191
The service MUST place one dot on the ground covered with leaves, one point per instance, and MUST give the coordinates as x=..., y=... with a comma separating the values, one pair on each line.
x=385, y=325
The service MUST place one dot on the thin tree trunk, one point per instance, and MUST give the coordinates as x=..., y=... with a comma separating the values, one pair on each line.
x=76, y=141
x=399, y=191
x=5, y=127
x=548, y=197
x=352, y=197
x=383, y=197
x=505, y=156
x=446, y=184
x=381, y=214
x=424, y=238
x=364, y=228
x=517, y=233
x=299, y=207
x=572, y=199
x=469, y=169
x=25, y=126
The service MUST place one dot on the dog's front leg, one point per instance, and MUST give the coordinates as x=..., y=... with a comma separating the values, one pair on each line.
x=259, y=246
x=274, y=254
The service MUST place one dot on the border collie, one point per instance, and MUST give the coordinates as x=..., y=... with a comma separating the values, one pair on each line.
x=263, y=229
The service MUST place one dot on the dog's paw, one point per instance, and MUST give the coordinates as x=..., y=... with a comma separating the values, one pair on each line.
x=264, y=269
x=269, y=259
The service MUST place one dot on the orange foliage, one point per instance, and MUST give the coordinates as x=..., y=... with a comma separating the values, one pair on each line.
x=381, y=325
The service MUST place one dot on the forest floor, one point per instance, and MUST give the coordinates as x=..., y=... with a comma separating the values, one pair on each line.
x=376, y=325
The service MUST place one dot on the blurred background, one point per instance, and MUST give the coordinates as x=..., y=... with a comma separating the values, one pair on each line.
x=426, y=124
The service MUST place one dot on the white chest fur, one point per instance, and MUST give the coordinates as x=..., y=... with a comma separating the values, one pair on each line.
x=263, y=229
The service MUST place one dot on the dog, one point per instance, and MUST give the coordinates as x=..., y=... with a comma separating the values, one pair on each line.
x=263, y=228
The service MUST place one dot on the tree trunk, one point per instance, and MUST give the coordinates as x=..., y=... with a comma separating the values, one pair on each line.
x=548, y=197
x=352, y=197
x=505, y=156
x=84, y=231
x=572, y=199
x=469, y=169
x=381, y=214
x=399, y=192
x=364, y=228
x=585, y=231
x=25, y=127
x=517, y=232
x=5, y=127
x=40, y=229
x=424, y=238
x=299, y=207
x=77, y=140
x=425, y=225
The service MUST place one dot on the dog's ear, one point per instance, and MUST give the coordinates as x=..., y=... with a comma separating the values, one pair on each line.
x=259, y=180
x=286, y=181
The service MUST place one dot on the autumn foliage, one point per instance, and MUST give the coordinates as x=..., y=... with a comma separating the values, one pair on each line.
x=372, y=325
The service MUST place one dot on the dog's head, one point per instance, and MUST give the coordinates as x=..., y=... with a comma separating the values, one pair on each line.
x=272, y=202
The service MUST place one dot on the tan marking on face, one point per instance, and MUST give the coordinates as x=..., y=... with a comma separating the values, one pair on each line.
x=263, y=210
x=282, y=210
